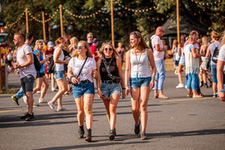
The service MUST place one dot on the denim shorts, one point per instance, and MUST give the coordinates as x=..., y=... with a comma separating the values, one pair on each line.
x=213, y=69
x=58, y=75
x=182, y=60
x=110, y=88
x=139, y=82
x=27, y=83
x=83, y=88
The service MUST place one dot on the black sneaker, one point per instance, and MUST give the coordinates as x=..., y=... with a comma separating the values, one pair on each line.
x=88, y=136
x=81, y=132
x=112, y=135
x=143, y=136
x=25, y=116
x=30, y=117
x=15, y=99
x=137, y=128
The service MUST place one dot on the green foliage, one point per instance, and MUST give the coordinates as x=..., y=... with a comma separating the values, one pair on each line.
x=125, y=21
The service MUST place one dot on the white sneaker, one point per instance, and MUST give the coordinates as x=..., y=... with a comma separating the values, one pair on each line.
x=25, y=99
x=52, y=106
x=62, y=109
x=53, y=89
x=42, y=101
x=38, y=92
x=180, y=86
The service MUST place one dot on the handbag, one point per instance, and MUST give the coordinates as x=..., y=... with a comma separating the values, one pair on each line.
x=51, y=66
x=115, y=79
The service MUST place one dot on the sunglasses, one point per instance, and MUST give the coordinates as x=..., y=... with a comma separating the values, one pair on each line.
x=110, y=49
x=79, y=47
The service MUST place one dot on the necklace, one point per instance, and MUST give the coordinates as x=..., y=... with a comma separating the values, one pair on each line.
x=138, y=61
x=109, y=62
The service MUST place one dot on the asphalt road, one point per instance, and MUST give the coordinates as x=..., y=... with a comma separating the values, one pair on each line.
x=179, y=123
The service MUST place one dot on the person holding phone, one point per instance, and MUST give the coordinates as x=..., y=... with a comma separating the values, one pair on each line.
x=110, y=69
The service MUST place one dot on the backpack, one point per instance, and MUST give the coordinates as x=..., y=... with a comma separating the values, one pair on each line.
x=215, y=54
x=37, y=64
x=51, y=65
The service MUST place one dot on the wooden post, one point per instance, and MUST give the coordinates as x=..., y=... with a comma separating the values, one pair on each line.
x=43, y=22
x=178, y=23
x=112, y=23
x=27, y=27
x=61, y=20
x=1, y=69
x=49, y=31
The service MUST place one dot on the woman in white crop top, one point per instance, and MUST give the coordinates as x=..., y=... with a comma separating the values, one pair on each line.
x=59, y=61
x=138, y=79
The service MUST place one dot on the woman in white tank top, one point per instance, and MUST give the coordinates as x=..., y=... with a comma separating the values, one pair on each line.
x=139, y=79
x=59, y=61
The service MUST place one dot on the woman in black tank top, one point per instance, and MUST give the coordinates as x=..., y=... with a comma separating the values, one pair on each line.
x=109, y=89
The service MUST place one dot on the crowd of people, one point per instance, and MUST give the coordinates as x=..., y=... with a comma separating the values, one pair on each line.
x=75, y=65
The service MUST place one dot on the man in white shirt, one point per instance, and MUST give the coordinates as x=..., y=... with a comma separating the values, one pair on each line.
x=159, y=53
x=27, y=70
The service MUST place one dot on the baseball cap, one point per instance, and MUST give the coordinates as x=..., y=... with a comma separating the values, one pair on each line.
x=50, y=44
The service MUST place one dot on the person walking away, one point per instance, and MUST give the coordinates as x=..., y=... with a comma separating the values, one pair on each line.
x=205, y=60
x=141, y=81
x=27, y=71
x=109, y=90
x=81, y=70
x=211, y=51
x=159, y=53
x=192, y=67
x=59, y=61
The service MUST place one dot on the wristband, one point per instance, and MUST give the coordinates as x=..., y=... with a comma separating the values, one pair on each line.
x=123, y=91
x=123, y=88
x=154, y=79
x=221, y=90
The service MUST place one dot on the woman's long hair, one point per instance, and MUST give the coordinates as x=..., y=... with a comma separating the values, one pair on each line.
x=37, y=44
x=86, y=45
x=141, y=45
x=115, y=54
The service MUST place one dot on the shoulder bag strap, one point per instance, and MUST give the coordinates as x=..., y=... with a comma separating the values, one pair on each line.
x=107, y=68
x=81, y=68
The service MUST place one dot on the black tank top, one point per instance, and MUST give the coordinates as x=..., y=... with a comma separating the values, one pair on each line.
x=112, y=69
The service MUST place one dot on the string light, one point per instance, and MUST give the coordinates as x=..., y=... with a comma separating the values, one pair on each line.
x=205, y=3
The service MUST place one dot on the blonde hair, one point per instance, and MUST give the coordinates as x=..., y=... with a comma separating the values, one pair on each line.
x=86, y=45
x=204, y=40
x=59, y=40
x=74, y=40
x=215, y=35
x=115, y=54
x=37, y=43
x=191, y=38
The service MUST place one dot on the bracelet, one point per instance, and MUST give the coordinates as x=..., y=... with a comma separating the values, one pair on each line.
x=221, y=90
x=123, y=91
x=154, y=79
x=123, y=88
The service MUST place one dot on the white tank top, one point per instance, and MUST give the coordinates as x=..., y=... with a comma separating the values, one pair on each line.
x=59, y=67
x=139, y=65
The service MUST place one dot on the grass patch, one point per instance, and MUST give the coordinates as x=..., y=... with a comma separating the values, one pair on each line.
x=9, y=91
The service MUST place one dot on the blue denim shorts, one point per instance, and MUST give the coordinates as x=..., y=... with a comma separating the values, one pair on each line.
x=214, y=73
x=83, y=88
x=58, y=75
x=110, y=88
x=139, y=82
